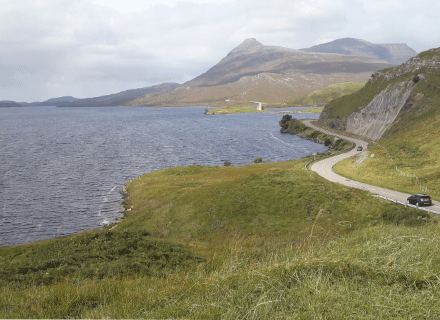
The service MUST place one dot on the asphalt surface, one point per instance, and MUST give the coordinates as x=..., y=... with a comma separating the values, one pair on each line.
x=325, y=169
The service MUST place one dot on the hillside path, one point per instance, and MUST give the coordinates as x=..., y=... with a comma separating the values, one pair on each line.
x=325, y=169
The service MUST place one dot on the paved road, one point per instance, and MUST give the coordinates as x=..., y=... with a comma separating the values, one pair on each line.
x=325, y=169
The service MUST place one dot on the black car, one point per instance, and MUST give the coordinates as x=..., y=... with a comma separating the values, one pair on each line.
x=420, y=199
x=360, y=148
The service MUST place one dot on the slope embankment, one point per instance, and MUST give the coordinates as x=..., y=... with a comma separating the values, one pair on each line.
x=391, y=98
x=324, y=168
x=373, y=120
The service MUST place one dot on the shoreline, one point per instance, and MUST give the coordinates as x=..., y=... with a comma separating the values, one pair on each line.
x=245, y=109
x=116, y=211
x=125, y=195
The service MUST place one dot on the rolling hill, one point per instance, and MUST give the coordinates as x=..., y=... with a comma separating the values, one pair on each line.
x=111, y=100
x=9, y=104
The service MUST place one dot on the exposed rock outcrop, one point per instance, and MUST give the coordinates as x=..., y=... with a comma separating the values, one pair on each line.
x=338, y=122
x=371, y=122
x=375, y=108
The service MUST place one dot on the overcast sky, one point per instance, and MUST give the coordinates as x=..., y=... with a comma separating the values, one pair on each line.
x=86, y=48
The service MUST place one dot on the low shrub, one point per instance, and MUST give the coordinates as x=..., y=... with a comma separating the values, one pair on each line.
x=296, y=127
x=341, y=144
x=103, y=254
x=406, y=216
x=284, y=121
x=328, y=142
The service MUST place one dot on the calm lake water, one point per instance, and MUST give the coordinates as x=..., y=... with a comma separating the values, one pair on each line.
x=61, y=169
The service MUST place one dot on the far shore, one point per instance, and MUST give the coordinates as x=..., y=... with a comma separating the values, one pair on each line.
x=247, y=109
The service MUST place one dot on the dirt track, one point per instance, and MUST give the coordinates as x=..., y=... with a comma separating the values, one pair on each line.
x=325, y=169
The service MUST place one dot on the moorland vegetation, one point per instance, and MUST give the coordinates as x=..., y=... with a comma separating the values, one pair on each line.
x=259, y=241
x=296, y=127
x=324, y=96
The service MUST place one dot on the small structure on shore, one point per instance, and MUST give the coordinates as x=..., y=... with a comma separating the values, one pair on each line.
x=259, y=105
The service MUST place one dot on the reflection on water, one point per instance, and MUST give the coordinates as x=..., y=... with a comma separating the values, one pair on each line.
x=61, y=169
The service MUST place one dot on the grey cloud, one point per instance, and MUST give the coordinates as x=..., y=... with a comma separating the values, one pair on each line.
x=62, y=47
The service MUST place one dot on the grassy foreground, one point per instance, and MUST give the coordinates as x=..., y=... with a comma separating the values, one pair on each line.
x=265, y=241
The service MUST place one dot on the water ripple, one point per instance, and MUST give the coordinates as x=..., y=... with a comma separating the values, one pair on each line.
x=61, y=169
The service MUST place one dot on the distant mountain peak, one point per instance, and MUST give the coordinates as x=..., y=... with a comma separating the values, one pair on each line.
x=247, y=46
x=395, y=53
x=348, y=40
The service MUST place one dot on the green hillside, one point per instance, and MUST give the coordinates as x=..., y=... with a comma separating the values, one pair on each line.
x=407, y=157
x=268, y=240
x=422, y=70
x=407, y=160
x=324, y=96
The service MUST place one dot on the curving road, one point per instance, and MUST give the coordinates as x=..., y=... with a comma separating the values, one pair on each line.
x=325, y=169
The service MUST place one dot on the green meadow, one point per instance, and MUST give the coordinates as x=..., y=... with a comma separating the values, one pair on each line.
x=261, y=241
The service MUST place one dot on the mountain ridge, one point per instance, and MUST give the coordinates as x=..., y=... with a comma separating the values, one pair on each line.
x=395, y=53
x=255, y=72
x=251, y=58
x=111, y=100
x=249, y=72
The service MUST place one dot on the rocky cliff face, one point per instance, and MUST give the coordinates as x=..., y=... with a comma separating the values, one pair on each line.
x=394, y=90
x=372, y=121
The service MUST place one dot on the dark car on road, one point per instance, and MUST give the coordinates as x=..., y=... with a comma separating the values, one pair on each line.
x=420, y=200
x=360, y=148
